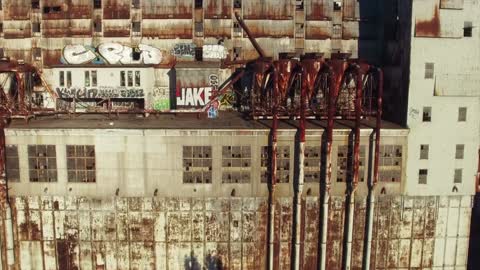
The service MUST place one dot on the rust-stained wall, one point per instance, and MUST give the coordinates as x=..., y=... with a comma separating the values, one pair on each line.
x=175, y=9
x=169, y=233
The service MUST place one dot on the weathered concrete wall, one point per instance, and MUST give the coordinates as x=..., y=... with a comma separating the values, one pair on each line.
x=66, y=232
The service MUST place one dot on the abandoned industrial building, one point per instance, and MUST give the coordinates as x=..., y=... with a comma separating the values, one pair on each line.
x=239, y=134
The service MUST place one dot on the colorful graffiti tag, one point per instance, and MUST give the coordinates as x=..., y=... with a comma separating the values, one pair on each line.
x=208, y=51
x=99, y=92
x=160, y=98
x=194, y=96
x=111, y=53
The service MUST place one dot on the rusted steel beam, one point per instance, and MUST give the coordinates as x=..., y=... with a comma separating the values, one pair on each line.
x=223, y=90
x=255, y=44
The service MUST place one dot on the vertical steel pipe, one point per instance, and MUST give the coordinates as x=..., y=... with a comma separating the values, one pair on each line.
x=371, y=186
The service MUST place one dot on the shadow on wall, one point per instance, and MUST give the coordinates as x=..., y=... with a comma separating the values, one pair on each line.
x=474, y=249
x=212, y=262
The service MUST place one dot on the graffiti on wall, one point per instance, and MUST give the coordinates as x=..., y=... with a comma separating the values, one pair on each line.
x=99, y=92
x=214, y=52
x=184, y=50
x=111, y=53
x=160, y=98
x=193, y=96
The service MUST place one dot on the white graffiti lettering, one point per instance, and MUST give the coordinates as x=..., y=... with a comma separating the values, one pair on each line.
x=99, y=92
x=194, y=96
x=112, y=53
x=214, y=52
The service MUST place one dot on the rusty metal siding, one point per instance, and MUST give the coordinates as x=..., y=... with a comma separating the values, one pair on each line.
x=318, y=9
x=25, y=55
x=336, y=221
x=17, y=10
x=49, y=14
x=80, y=9
x=274, y=29
x=217, y=9
x=174, y=28
x=310, y=233
x=174, y=9
x=351, y=9
x=66, y=28
x=267, y=9
x=451, y=4
x=51, y=57
x=427, y=20
x=318, y=30
x=116, y=28
x=116, y=9
x=217, y=28
x=17, y=29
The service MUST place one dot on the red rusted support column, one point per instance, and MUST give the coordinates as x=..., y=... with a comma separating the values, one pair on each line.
x=376, y=162
x=249, y=35
x=21, y=93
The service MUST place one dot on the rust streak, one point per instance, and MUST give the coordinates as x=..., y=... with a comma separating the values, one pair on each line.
x=428, y=28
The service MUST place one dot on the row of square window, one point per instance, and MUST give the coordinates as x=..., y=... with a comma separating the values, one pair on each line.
x=423, y=174
x=42, y=163
x=127, y=78
x=427, y=114
x=459, y=151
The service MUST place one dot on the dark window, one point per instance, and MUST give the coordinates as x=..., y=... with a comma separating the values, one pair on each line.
x=236, y=164
x=1, y=52
x=237, y=3
x=422, y=176
x=457, y=177
x=122, y=78
x=37, y=53
x=424, y=151
x=299, y=5
x=199, y=29
x=36, y=27
x=429, y=70
x=130, y=78
x=237, y=53
x=97, y=25
x=12, y=167
x=1, y=3
x=199, y=53
x=87, y=78
x=61, y=78
x=467, y=29
x=54, y=9
x=459, y=150
x=197, y=164
x=69, y=78
x=136, y=3
x=35, y=4
x=81, y=163
x=42, y=160
x=198, y=3
x=337, y=5
x=137, y=78
x=427, y=114
x=462, y=114
x=97, y=3
x=94, y=78
x=312, y=164
x=283, y=164
x=136, y=26
x=1, y=27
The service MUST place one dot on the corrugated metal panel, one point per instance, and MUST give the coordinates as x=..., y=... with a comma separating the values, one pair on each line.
x=217, y=28
x=217, y=9
x=278, y=28
x=173, y=28
x=16, y=29
x=318, y=9
x=175, y=9
x=116, y=28
x=267, y=9
x=80, y=28
x=116, y=9
x=318, y=30
x=451, y=4
x=17, y=10
x=67, y=28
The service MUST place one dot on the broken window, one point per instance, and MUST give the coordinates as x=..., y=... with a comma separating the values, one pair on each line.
x=87, y=78
x=457, y=177
x=462, y=114
x=344, y=168
x=36, y=27
x=459, y=150
x=136, y=3
x=42, y=160
x=427, y=114
x=12, y=167
x=299, y=30
x=94, y=78
x=61, y=78
x=237, y=53
x=136, y=26
x=122, y=78
x=37, y=53
x=97, y=25
x=97, y=4
x=81, y=163
x=69, y=78
x=54, y=9
x=312, y=164
x=429, y=70
x=198, y=3
x=337, y=5
x=236, y=164
x=467, y=29
x=199, y=29
x=237, y=30
x=137, y=78
x=237, y=3
x=422, y=176
x=390, y=169
x=424, y=151
x=197, y=164
x=283, y=164
x=299, y=5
